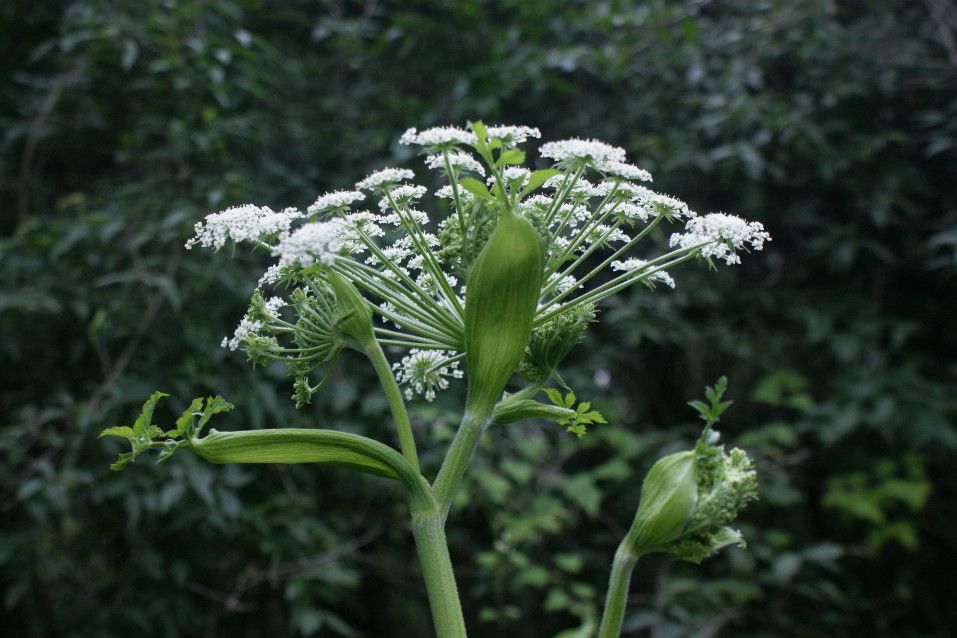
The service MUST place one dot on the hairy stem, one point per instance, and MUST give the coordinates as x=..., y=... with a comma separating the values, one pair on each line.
x=428, y=528
x=615, y=602
x=399, y=414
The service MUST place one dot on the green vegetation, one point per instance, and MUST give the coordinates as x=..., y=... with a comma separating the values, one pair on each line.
x=832, y=123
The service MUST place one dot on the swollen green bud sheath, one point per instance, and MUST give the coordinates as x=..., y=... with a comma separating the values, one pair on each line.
x=668, y=497
x=500, y=302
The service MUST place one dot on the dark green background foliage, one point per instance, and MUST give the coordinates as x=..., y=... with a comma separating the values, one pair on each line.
x=833, y=123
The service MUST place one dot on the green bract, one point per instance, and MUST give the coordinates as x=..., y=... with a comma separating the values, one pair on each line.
x=668, y=497
x=500, y=301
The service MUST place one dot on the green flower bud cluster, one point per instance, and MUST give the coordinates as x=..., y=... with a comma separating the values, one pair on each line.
x=330, y=314
x=550, y=342
x=689, y=498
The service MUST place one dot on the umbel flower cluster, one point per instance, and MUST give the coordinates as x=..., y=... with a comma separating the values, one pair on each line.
x=410, y=248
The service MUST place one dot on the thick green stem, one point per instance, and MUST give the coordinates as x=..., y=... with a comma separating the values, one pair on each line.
x=402, y=425
x=428, y=528
x=615, y=602
x=457, y=459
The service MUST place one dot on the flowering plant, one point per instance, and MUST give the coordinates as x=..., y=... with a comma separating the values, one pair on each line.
x=500, y=282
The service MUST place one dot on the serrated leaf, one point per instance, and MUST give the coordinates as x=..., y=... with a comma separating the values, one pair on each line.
x=555, y=396
x=701, y=407
x=214, y=405
x=123, y=431
x=144, y=421
x=570, y=399
x=122, y=461
x=583, y=407
x=184, y=422
x=577, y=429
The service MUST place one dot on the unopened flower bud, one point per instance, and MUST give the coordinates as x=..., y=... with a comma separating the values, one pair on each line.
x=689, y=498
x=668, y=497
x=500, y=302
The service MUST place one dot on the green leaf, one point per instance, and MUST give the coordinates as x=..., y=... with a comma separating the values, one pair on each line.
x=124, y=459
x=214, y=405
x=184, y=423
x=481, y=133
x=475, y=187
x=554, y=396
x=701, y=407
x=142, y=425
x=570, y=399
x=512, y=156
x=123, y=431
x=537, y=178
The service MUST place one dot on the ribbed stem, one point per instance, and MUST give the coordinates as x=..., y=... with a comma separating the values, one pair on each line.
x=617, y=599
x=457, y=459
x=428, y=528
x=402, y=425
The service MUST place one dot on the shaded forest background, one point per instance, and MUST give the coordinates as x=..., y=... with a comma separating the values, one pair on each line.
x=833, y=123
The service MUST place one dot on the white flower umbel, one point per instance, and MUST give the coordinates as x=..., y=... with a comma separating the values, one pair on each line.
x=385, y=177
x=336, y=200
x=424, y=372
x=459, y=160
x=635, y=264
x=720, y=235
x=592, y=151
x=313, y=243
x=412, y=260
x=246, y=328
x=438, y=137
x=241, y=223
x=511, y=135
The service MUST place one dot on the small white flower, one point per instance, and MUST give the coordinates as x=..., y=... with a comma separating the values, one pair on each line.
x=661, y=204
x=403, y=195
x=394, y=219
x=459, y=160
x=364, y=221
x=273, y=305
x=446, y=192
x=385, y=177
x=634, y=212
x=562, y=283
x=511, y=135
x=271, y=276
x=439, y=136
x=245, y=329
x=722, y=235
x=513, y=175
x=335, y=200
x=316, y=242
x=624, y=171
x=589, y=151
x=241, y=223
x=633, y=264
x=425, y=371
